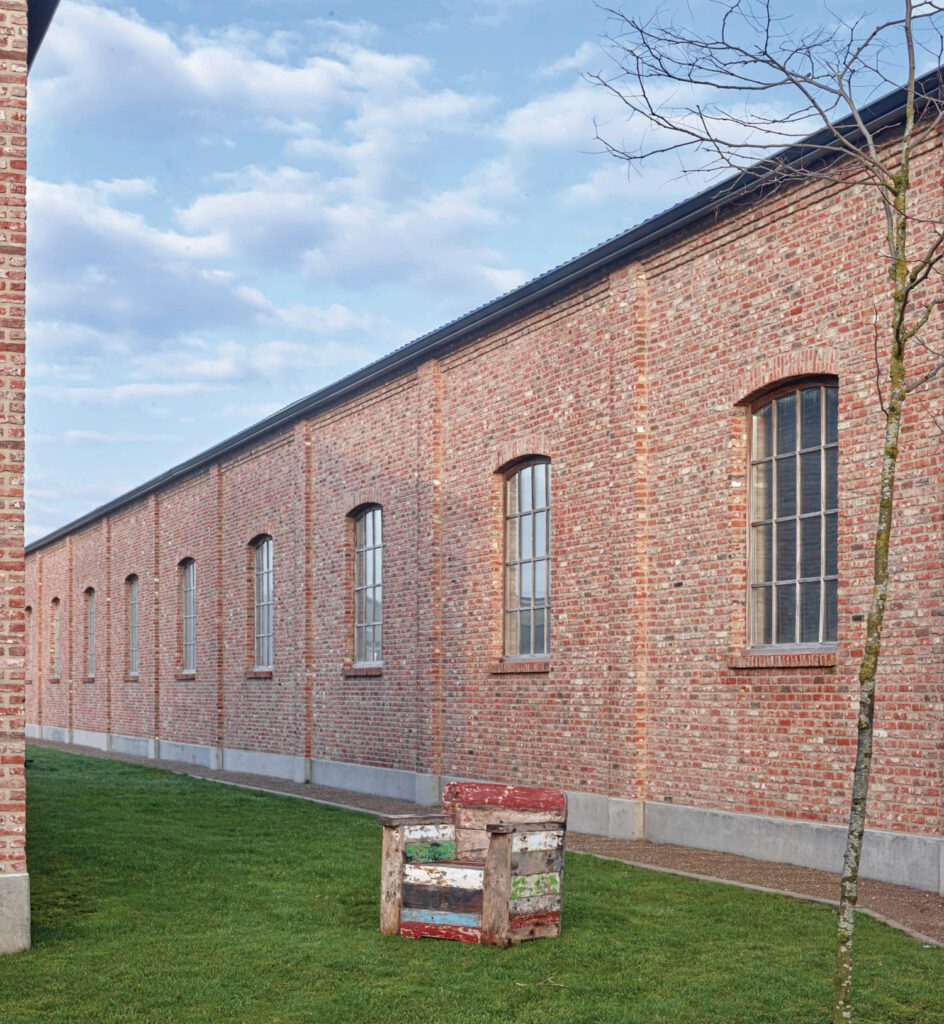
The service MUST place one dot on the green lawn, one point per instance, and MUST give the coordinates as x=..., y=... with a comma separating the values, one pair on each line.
x=159, y=898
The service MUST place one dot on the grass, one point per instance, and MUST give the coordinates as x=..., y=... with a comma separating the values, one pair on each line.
x=160, y=898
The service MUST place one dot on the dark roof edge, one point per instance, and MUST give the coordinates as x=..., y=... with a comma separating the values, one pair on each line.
x=39, y=14
x=881, y=113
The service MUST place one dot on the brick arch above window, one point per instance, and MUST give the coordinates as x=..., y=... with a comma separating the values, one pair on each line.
x=358, y=499
x=772, y=374
x=520, y=449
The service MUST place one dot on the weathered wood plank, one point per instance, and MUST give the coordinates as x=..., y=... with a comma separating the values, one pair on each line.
x=538, y=926
x=430, y=818
x=420, y=930
x=497, y=890
x=544, y=840
x=537, y=862
x=471, y=844
x=444, y=917
x=464, y=877
x=482, y=817
x=524, y=921
x=391, y=879
x=535, y=905
x=441, y=897
x=429, y=833
x=429, y=853
x=525, y=886
x=485, y=794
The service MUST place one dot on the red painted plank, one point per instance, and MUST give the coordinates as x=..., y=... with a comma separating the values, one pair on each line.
x=531, y=920
x=486, y=794
x=420, y=930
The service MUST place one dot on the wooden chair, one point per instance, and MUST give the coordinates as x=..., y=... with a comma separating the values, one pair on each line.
x=489, y=868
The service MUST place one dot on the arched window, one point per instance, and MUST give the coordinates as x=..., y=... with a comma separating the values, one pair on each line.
x=262, y=601
x=528, y=561
x=90, y=633
x=794, y=516
x=56, y=646
x=368, y=585
x=131, y=596
x=188, y=615
x=28, y=646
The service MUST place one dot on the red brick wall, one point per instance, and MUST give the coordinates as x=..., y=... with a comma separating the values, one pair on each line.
x=12, y=340
x=633, y=385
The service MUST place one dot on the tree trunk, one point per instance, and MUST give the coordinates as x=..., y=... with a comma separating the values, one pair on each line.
x=842, y=1010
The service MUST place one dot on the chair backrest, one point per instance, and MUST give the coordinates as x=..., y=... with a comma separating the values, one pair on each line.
x=476, y=805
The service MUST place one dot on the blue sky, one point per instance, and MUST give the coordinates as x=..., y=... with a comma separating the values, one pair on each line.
x=232, y=205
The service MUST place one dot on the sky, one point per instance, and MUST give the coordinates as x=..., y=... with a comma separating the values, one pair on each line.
x=231, y=205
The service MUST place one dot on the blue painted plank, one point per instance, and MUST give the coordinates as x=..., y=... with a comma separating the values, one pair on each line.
x=440, y=917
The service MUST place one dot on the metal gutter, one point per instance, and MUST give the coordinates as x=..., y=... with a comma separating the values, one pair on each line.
x=39, y=14
x=884, y=112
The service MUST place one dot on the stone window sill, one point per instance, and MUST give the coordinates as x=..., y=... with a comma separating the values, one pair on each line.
x=823, y=657
x=259, y=673
x=505, y=666
x=185, y=676
x=89, y=679
x=355, y=671
x=132, y=677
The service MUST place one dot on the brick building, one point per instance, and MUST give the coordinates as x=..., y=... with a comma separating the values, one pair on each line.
x=22, y=27
x=355, y=591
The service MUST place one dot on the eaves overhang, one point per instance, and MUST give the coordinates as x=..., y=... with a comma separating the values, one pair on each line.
x=749, y=185
x=39, y=15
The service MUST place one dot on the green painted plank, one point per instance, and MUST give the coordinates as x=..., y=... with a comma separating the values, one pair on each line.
x=523, y=886
x=429, y=853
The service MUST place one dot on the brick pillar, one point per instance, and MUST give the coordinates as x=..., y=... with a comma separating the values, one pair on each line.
x=14, y=881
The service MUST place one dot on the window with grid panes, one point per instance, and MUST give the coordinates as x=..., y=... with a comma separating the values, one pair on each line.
x=188, y=616
x=133, y=650
x=28, y=666
x=262, y=573
x=528, y=561
x=56, y=638
x=368, y=586
x=90, y=633
x=794, y=517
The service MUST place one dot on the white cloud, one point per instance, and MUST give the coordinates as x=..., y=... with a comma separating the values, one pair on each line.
x=119, y=393
x=119, y=437
x=577, y=61
x=492, y=13
x=562, y=118
x=88, y=208
x=234, y=362
x=251, y=411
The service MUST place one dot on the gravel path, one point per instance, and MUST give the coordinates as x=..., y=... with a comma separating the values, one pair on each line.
x=921, y=914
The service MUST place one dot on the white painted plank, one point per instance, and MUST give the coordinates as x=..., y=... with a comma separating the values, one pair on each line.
x=429, y=833
x=440, y=874
x=525, y=841
x=535, y=905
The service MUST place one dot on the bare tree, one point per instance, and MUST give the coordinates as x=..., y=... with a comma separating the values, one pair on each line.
x=778, y=106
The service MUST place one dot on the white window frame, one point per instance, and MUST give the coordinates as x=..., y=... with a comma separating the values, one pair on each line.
x=90, y=633
x=526, y=606
x=56, y=638
x=811, y=519
x=368, y=586
x=133, y=584
x=188, y=615
x=263, y=604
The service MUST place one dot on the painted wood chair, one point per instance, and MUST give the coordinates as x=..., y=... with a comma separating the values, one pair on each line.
x=488, y=869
